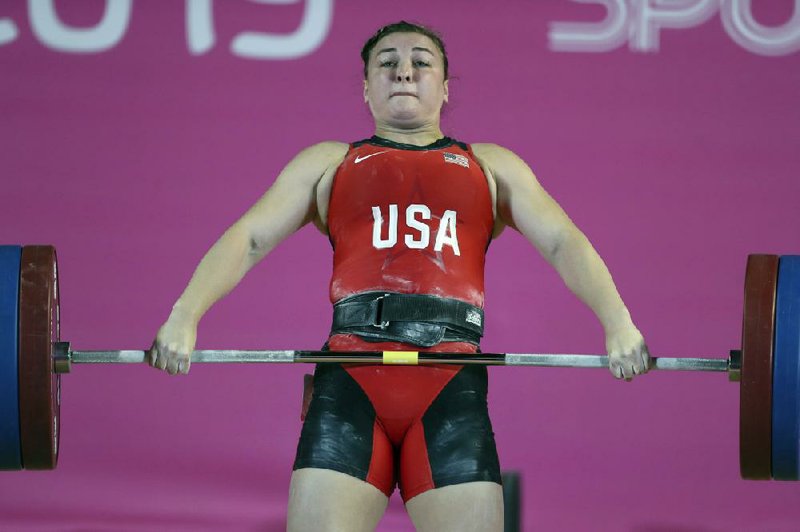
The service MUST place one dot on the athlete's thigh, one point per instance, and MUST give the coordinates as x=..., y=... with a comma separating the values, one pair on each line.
x=321, y=500
x=473, y=506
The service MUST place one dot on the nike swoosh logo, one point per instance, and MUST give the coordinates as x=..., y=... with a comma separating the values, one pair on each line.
x=359, y=159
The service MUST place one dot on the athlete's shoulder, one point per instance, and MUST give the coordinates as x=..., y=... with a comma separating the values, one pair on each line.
x=313, y=162
x=322, y=155
x=325, y=150
x=490, y=151
x=495, y=157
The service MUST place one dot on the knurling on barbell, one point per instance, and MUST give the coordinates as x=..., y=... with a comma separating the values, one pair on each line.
x=44, y=358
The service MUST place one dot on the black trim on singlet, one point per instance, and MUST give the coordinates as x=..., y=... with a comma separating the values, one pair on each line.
x=337, y=433
x=458, y=432
x=459, y=441
x=443, y=142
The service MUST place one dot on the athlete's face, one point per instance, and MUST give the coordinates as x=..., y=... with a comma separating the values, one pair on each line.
x=405, y=85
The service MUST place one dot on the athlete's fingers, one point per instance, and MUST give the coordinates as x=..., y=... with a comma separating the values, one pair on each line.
x=645, y=354
x=626, y=371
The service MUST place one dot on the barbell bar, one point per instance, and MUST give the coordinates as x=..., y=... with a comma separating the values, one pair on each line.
x=64, y=357
x=769, y=419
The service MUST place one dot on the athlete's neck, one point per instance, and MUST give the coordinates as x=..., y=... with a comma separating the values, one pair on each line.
x=416, y=137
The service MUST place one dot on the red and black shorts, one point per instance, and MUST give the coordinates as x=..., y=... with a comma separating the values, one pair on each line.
x=423, y=427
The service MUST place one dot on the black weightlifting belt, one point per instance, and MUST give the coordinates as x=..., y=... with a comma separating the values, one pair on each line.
x=418, y=319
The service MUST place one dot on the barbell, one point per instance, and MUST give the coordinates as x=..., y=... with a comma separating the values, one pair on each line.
x=33, y=358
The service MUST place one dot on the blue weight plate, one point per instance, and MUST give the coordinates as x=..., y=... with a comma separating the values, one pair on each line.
x=786, y=373
x=10, y=454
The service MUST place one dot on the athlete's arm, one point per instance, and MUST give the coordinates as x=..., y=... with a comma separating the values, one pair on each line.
x=289, y=204
x=524, y=205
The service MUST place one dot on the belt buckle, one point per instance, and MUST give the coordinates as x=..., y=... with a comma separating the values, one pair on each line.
x=380, y=324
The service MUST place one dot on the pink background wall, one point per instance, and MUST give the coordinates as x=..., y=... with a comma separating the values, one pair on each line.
x=676, y=163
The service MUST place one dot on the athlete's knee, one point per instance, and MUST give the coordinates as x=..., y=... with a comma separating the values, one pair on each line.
x=473, y=506
x=323, y=500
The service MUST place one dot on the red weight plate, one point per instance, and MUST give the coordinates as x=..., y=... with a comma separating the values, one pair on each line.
x=758, y=327
x=39, y=386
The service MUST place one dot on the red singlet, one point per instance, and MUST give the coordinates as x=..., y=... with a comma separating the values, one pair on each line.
x=411, y=220
x=416, y=220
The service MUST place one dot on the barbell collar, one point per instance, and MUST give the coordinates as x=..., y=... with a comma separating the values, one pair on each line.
x=735, y=366
x=62, y=357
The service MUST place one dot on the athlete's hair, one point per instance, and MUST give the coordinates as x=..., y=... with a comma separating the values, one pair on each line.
x=402, y=27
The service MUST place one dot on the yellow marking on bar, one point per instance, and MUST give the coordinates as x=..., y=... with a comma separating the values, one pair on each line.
x=401, y=357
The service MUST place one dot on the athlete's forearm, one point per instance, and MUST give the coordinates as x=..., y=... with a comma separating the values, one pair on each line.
x=220, y=270
x=587, y=276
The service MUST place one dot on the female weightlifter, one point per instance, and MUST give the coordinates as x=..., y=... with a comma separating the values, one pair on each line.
x=410, y=213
